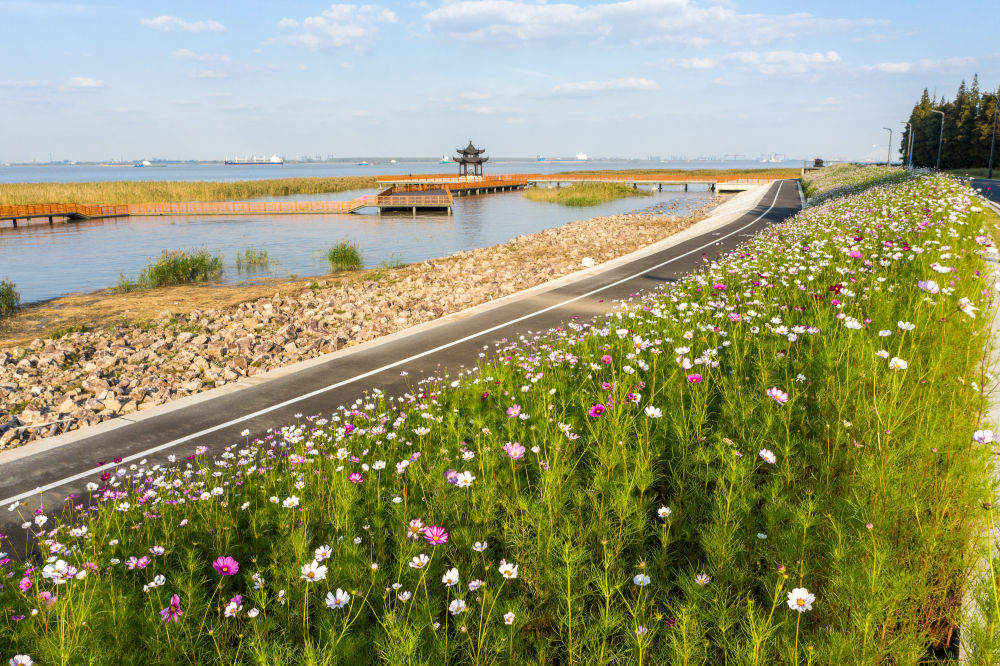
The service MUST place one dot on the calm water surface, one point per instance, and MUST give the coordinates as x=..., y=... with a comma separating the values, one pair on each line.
x=50, y=261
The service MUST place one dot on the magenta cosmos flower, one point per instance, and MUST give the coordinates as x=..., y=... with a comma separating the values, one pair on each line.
x=435, y=535
x=694, y=378
x=356, y=477
x=596, y=410
x=226, y=566
x=173, y=611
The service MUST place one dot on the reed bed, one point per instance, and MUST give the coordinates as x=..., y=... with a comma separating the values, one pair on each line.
x=124, y=192
x=779, y=459
x=10, y=298
x=252, y=257
x=584, y=194
x=344, y=256
x=174, y=267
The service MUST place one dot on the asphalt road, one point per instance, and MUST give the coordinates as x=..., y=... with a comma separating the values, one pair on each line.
x=218, y=421
x=989, y=188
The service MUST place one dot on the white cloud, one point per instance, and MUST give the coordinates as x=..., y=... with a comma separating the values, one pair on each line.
x=188, y=54
x=209, y=74
x=682, y=22
x=591, y=87
x=83, y=82
x=340, y=26
x=173, y=24
x=784, y=62
x=922, y=65
x=475, y=96
x=696, y=63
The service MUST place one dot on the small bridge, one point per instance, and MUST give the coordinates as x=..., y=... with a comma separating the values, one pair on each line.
x=500, y=183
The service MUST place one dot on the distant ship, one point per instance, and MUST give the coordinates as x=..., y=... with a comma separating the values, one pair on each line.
x=144, y=163
x=444, y=159
x=582, y=157
x=364, y=163
x=254, y=159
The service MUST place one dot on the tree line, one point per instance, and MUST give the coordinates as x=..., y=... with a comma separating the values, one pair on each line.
x=968, y=129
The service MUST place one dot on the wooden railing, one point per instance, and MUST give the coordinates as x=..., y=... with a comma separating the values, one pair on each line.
x=416, y=200
x=498, y=180
x=56, y=209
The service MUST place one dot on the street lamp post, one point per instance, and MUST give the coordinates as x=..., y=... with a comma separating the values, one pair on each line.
x=909, y=135
x=910, y=149
x=888, y=153
x=940, y=138
x=996, y=107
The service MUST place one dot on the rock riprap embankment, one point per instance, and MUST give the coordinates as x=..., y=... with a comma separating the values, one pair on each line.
x=81, y=379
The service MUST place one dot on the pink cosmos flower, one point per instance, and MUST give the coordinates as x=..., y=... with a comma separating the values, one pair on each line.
x=596, y=410
x=777, y=395
x=606, y=360
x=415, y=529
x=25, y=584
x=435, y=535
x=173, y=611
x=514, y=411
x=735, y=317
x=356, y=477
x=514, y=450
x=226, y=566
x=694, y=378
x=719, y=286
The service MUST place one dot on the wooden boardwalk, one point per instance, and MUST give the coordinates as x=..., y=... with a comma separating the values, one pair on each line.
x=390, y=199
x=413, y=192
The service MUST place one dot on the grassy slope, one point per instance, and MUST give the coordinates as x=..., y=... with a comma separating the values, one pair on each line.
x=121, y=192
x=583, y=194
x=869, y=504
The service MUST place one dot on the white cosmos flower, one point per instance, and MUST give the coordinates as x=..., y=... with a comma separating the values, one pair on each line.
x=291, y=502
x=653, y=412
x=664, y=512
x=642, y=580
x=768, y=456
x=420, y=561
x=983, y=436
x=450, y=577
x=896, y=363
x=404, y=596
x=457, y=606
x=464, y=479
x=881, y=353
x=479, y=546
x=801, y=600
x=314, y=571
x=508, y=570
x=338, y=600
x=966, y=306
x=323, y=553
x=508, y=617
x=905, y=325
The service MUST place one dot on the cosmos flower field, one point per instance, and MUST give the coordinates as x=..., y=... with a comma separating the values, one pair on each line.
x=779, y=459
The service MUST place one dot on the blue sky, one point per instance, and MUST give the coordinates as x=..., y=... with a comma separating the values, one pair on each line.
x=203, y=80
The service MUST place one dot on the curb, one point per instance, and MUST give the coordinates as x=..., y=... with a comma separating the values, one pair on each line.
x=720, y=216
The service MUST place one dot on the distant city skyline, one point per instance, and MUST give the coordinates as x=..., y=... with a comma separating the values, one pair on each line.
x=181, y=80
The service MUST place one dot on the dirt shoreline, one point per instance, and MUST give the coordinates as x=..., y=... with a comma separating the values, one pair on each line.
x=149, y=348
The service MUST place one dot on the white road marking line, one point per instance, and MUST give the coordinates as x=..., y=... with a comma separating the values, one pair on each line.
x=364, y=375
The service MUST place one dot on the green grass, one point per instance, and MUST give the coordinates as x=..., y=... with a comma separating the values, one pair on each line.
x=736, y=436
x=344, y=256
x=584, y=194
x=252, y=258
x=123, y=192
x=977, y=172
x=63, y=332
x=174, y=267
x=10, y=298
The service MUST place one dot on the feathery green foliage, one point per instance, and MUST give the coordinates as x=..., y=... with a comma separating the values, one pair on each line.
x=344, y=256
x=584, y=194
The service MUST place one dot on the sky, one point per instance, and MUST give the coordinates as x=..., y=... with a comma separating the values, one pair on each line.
x=181, y=79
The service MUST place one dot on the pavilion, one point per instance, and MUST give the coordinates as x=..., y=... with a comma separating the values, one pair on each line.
x=471, y=156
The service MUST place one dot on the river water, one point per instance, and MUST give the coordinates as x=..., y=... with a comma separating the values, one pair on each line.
x=50, y=261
